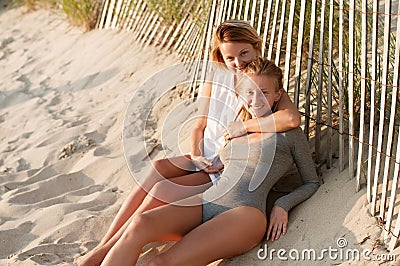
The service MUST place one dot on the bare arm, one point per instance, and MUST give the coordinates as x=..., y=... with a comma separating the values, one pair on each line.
x=197, y=135
x=285, y=117
x=201, y=121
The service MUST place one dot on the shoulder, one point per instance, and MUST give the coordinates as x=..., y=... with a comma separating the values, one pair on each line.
x=294, y=136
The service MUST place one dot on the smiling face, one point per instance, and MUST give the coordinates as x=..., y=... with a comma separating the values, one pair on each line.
x=237, y=55
x=235, y=44
x=259, y=92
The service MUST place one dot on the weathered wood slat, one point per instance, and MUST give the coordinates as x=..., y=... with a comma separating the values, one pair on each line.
x=168, y=34
x=184, y=38
x=266, y=28
x=110, y=13
x=341, y=89
x=147, y=31
x=131, y=19
x=289, y=46
x=253, y=13
x=101, y=21
x=299, y=54
x=117, y=14
x=350, y=88
x=396, y=231
x=320, y=83
x=329, y=96
x=309, y=69
x=208, y=39
x=280, y=35
x=385, y=183
x=151, y=32
x=140, y=17
x=372, y=185
x=103, y=17
x=142, y=30
x=228, y=12
x=260, y=17
x=129, y=7
x=246, y=10
x=126, y=5
x=234, y=14
x=395, y=91
x=363, y=91
x=239, y=14
x=177, y=31
x=386, y=38
x=271, y=39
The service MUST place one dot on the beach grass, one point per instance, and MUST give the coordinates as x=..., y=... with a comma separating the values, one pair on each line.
x=81, y=13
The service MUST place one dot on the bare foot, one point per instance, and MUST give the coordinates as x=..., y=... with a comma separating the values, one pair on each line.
x=93, y=258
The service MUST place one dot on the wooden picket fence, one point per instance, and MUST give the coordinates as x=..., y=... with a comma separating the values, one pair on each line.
x=341, y=68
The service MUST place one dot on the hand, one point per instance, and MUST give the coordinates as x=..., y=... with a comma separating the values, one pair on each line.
x=234, y=129
x=200, y=162
x=278, y=221
x=213, y=170
x=205, y=165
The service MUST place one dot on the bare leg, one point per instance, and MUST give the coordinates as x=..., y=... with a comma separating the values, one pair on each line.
x=192, y=184
x=226, y=235
x=165, y=168
x=168, y=222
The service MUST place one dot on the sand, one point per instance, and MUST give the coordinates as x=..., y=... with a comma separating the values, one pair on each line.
x=63, y=175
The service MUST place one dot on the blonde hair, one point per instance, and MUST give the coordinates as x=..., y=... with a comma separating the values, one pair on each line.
x=262, y=66
x=234, y=31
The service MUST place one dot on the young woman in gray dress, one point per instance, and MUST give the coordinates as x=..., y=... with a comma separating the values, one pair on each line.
x=215, y=224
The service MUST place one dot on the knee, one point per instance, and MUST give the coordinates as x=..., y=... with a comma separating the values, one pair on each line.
x=139, y=225
x=160, y=260
x=160, y=190
x=158, y=165
x=155, y=175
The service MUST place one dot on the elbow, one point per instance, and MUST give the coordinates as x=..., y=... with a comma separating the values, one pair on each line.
x=295, y=120
x=197, y=129
x=316, y=185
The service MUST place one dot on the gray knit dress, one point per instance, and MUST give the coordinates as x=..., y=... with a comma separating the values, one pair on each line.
x=252, y=169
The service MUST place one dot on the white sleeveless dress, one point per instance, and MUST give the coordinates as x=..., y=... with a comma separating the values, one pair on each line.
x=223, y=108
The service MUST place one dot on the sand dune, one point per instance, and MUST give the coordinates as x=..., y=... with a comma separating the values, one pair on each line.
x=63, y=176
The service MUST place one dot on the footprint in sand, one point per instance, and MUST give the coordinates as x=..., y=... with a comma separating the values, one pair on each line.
x=81, y=145
x=49, y=188
x=50, y=254
x=69, y=201
x=100, y=151
x=6, y=42
x=20, y=236
x=2, y=118
x=22, y=165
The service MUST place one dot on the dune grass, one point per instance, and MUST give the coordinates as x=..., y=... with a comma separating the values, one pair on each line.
x=81, y=13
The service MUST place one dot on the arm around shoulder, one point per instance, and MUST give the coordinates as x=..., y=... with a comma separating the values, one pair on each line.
x=290, y=113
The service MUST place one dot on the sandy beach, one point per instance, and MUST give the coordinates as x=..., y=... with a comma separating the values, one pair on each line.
x=63, y=175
